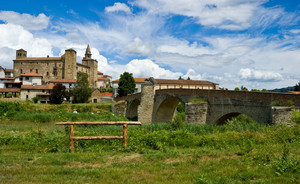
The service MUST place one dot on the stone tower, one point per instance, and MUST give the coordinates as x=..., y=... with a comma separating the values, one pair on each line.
x=70, y=71
x=21, y=53
x=93, y=65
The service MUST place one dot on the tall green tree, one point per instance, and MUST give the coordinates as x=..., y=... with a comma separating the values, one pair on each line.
x=188, y=78
x=126, y=84
x=81, y=91
x=297, y=87
x=57, y=94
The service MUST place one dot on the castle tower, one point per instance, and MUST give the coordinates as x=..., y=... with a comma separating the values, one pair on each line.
x=93, y=65
x=21, y=53
x=88, y=53
x=70, y=64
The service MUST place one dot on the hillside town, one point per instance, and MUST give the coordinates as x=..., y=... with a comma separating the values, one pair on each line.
x=35, y=77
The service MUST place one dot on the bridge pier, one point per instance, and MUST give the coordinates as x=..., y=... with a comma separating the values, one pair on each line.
x=196, y=113
x=145, y=109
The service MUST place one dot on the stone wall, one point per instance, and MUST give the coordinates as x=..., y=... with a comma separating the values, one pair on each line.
x=119, y=108
x=282, y=114
x=195, y=113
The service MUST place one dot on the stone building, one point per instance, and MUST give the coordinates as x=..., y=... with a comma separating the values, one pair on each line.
x=52, y=68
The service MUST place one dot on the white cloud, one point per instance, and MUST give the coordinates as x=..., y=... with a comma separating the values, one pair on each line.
x=225, y=14
x=259, y=75
x=15, y=37
x=138, y=47
x=118, y=7
x=28, y=21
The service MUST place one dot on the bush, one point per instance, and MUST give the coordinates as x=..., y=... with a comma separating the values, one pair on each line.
x=35, y=99
x=295, y=116
x=178, y=121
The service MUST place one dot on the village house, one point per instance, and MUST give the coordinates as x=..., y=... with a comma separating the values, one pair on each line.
x=42, y=92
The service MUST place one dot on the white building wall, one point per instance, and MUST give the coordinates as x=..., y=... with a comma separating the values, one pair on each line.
x=2, y=73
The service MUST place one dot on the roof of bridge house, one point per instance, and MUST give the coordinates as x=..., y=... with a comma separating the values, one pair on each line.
x=184, y=82
x=295, y=92
x=48, y=86
x=136, y=80
x=99, y=73
x=63, y=81
x=32, y=74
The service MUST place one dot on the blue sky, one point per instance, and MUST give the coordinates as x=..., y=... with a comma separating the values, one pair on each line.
x=254, y=43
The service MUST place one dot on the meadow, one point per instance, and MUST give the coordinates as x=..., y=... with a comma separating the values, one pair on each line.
x=35, y=150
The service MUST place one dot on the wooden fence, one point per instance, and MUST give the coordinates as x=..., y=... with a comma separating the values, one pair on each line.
x=72, y=137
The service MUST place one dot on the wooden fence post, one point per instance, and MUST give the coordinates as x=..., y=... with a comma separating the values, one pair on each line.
x=125, y=134
x=71, y=138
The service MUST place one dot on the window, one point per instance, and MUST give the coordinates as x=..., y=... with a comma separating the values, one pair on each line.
x=47, y=73
x=47, y=64
x=26, y=96
x=34, y=83
x=28, y=90
x=26, y=78
x=36, y=71
x=30, y=70
x=21, y=71
x=43, y=91
x=55, y=65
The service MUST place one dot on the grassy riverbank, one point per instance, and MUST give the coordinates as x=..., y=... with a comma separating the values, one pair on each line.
x=242, y=151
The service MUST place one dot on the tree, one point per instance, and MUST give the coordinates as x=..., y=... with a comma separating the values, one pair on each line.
x=81, y=91
x=126, y=84
x=297, y=87
x=180, y=78
x=57, y=94
x=236, y=89
x=188, y=78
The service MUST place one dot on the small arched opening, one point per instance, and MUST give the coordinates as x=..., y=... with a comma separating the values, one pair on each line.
x=166, y=110
x=132, y=112
x=239, y=116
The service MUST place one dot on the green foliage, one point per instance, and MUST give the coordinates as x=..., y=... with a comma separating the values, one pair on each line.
x=178, y=121
x=285, y=163
x=103, y=90
x=180, y=107
x=295, y=116
x=126, y=84
x=197, y=100
x=35, y=99
x=236, y=89
x=297, y=87
x=8, y=109
x=81, y=91
x=287, y=103
x=188, y=78
x=57, y=94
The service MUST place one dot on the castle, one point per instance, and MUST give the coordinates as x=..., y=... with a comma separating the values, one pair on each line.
x=51, y=68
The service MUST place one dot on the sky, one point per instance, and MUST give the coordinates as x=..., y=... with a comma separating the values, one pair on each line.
x=252, y=43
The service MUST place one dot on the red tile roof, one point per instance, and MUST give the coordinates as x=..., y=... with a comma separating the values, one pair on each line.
x=9, y=90
x=9, y=70
x=295, y=92
x=106, y=76
x=48, y=86
x=102, y=79
x=63, y=81
x=136, y=80
x=100, y=73
x=32, y=74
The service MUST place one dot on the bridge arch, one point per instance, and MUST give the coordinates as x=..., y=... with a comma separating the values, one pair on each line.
x=132, y=109
x=166, y=110
x=223, y=119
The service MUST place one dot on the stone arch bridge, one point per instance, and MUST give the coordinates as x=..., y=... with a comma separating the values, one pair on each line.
x=219, y=105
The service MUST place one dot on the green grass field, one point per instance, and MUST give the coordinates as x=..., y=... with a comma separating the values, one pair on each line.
x=35, y=150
